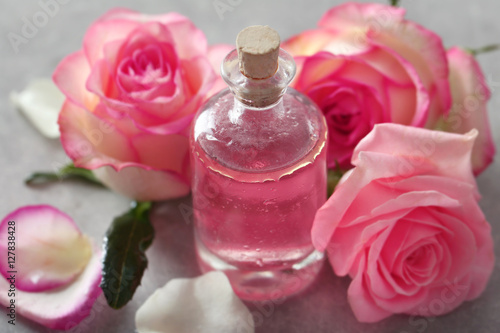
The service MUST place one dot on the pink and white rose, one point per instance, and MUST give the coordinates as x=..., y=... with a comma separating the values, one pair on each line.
x=406, y=226
x=131, y=94
x=366, y=64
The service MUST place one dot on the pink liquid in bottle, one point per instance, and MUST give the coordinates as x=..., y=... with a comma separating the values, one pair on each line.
x=259, y=176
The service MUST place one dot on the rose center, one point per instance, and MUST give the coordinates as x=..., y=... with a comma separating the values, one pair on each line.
x=421, y=265
x=149, y=69
x=147, y=62
x=343, y=113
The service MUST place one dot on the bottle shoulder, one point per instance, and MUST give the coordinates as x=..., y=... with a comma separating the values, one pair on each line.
x=258, y=140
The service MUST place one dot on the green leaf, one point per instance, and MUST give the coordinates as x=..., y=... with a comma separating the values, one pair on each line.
x=394, y=3
x=333, y=178
x=125, y=260
x=67, y=172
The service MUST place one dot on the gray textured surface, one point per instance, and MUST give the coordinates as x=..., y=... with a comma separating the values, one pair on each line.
x=323, y=308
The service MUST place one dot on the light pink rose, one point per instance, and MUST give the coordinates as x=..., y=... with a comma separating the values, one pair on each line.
x=470, y=95
x=132, y=92
x=406, y=226
x=365, y=64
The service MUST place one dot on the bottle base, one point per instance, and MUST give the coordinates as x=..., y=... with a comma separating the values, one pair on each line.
x=252, y=285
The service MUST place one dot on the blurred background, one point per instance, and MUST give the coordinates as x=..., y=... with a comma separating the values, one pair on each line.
x=324, y=307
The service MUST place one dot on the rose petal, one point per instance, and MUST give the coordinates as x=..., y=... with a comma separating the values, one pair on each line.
x=40, y=102
x=415, y=199
x=470, y=95
x=328, y=217
x=103, y=32
x=484, y=261
x=330, y=214
x=180, y=25
x=91, y=141
x=62, y=307
x=355, y=15
x=199, y=79
x=216, y=54
x=310, y=42
x=344, y=249
x=424, y=50
x=361, y=302
x=449, y=187
x=163, y=152
x=142, y=183
x=384, y=62
x=393, y=198
x=450, y=153
x=50, y=250
x=70, y=77
x=206, y=303
x=443, y=299
x=399, y=97
x=318, y=68
x=405, y=240
x=184, y=29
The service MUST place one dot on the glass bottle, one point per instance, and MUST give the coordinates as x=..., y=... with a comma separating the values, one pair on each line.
x=259, y=176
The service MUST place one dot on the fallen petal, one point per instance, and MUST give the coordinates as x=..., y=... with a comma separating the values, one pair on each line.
x=49, y=249
x=40, y=244
x=40, y=102
x=203, y=304
x=62, y=308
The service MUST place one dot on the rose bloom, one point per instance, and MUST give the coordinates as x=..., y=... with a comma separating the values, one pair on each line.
x=405, y=224
x=470, y=96
x=132, y=92
x=365, y=64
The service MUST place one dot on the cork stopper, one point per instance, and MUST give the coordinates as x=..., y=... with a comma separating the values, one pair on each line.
x=258, y=49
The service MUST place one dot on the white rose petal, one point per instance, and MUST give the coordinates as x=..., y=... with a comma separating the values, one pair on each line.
x=204, y=304
x=40, y=102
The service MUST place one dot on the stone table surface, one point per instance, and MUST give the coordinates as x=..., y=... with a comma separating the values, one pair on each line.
x=323, y=307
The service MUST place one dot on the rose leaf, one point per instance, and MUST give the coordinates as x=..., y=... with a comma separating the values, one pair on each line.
x=125, y=260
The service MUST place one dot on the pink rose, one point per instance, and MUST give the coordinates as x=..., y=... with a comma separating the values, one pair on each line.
x=470, y=96
x=365, y=64
x=406, y=226
x=131, y=94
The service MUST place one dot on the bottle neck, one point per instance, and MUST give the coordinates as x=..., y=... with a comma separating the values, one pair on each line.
x=259, y=98
x=257, y=104
x=258, y=93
